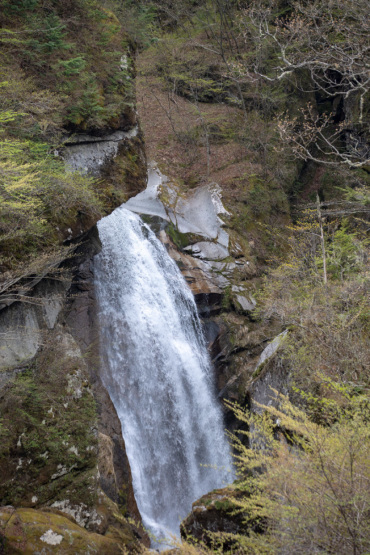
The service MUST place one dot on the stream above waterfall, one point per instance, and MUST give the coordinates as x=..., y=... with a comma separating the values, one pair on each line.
x=156, y=368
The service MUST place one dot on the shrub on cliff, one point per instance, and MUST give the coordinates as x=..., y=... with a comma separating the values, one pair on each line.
x=309, y=482
x=319, y=293
x=301, y=487
x=39, y=199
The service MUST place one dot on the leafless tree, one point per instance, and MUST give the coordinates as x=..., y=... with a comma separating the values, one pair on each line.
x=314, y=137
x=322, y=46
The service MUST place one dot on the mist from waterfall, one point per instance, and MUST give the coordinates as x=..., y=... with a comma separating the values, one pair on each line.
x=156, y=368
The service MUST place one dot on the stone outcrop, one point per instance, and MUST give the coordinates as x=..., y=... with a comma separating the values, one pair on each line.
x=89, y=154
x=215, y=521
x=269, y=377
x=197, y=212
x=212, y=513
x=58, y=424
x=80, y=316
x=21, y=323
x=206, y=288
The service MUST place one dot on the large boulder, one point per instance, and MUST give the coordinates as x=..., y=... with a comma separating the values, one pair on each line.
x=30, y=531
x=214, y=512
x=216, y=521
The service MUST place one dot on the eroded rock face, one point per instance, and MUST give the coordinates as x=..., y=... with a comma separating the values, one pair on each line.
x=206, y=288
x=49, y=415
x=89, y=154
x=208, y=250
x=63, y=446
x=81, y=317
x=197, y=212
x=22, y=323
x=54, y=455
x=270, y=376
x=114, y=469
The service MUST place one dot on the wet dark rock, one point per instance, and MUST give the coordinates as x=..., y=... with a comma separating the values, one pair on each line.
x=211, y=334
x=81, y=319
x=271, y=376
x=216, y=512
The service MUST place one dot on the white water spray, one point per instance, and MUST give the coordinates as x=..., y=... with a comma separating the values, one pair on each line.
x=156, y=368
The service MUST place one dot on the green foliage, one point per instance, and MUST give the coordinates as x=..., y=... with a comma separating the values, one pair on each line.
x=138, y=19
x=358, y=194
x=226, y=303
x=329, y=326
x=308, y=483
x=51, y=38
x=19, y=6
x=37, y=197
x=38, y=113
x=344, y=254
x=88, y=107
x=224, y=505
x=181, y=240
x=76, y=50
x=73, y=66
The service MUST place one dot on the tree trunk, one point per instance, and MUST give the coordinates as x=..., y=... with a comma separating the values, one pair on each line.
x=319, y=216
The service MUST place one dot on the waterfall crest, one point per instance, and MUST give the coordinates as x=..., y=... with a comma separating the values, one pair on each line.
x=156, y=368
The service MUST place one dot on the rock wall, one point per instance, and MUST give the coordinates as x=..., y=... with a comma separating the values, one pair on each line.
x=62, y=450
x=62, y=445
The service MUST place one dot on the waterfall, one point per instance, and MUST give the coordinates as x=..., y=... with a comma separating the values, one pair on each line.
x=156, y=369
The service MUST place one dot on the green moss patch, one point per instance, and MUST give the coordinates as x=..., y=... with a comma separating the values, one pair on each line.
x=30, y=531
x=48, y=433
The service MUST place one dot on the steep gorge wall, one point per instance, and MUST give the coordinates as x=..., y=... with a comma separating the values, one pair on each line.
x=62, y=446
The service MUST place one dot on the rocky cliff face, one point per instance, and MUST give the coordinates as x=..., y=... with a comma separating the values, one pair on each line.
x=62, y=450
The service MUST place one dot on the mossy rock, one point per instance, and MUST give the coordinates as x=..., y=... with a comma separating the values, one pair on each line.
x=181, y=240
x=48, y=433
x=125, y=175
x=217, y=521
x=49, y=450
x=29, y=531
x=214, y=513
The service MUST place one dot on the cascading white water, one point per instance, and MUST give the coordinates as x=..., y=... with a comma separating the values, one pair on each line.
x=157, y=371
